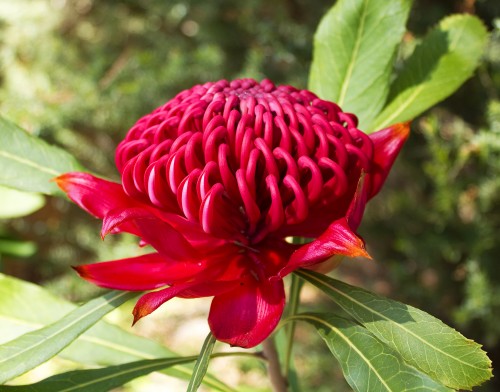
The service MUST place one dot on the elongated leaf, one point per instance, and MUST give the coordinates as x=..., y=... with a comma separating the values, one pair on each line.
x=17, y=248
x=26, y=307
x=14, y=203
x=98, y=380
x=354, y=48
x=444, y=60
x=33, y=348
x=201, y=366
x=29, y=163
x=422, y=340
x=368, y=364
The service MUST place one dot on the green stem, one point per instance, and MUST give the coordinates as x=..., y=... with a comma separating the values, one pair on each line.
x=293, y=307
x=278, y=382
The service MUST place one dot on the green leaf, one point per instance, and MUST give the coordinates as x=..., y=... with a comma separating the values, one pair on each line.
x=368, y=364
x=25, y=307
x=14, y=203
x=421, y=339
x=34, y=348
x=98, y=380
x=201, y=366
x=29, y=163
x=354, y=49
x=17, y=248
x=444, y=60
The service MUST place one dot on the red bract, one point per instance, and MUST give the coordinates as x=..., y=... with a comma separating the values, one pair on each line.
x=216, y=179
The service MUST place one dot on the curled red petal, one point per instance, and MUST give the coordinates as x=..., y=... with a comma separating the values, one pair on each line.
x=220, y=216
x=145, y=272
x=193, y=232
x=153, y=230
x=93, y=194
x=149, y=302
x=338, y=239
x=386, y=143
x=119, y=217
x=247, y=315
x=165, y=239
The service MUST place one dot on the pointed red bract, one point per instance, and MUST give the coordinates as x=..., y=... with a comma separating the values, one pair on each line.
x=386, y=144
x=149, y=302
x=216, y=180
x=146, y=272
x=93, y=194
x=338, y=239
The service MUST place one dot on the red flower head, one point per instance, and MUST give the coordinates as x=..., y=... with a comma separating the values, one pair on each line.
x=216, y=179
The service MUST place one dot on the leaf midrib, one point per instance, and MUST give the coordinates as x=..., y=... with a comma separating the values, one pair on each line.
x=354, y=55
x=348, y=341
x=90, y=339
x=401, y=108
x=392, y=321
x=417, y=91
x=102, y=343
x=124, y=372
x=120, y=348
x=27, y=162
x=61, y=330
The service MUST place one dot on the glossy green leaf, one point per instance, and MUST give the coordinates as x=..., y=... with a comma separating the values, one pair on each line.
x=354, y=49
x=368, y=364
x=25, y=307
x=98, y=380
x=14, y=203
x=29, y=163
x=201, y=366
x=444, y=60
x=421, y=339
x=34, y=348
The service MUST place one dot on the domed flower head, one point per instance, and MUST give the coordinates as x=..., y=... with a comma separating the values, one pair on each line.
x=215, y=181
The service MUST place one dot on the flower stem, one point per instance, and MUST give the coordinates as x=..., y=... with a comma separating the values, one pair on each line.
x=293, y=307
x=278, y=382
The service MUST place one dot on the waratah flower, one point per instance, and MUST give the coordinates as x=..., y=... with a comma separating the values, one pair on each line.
x=216, y=180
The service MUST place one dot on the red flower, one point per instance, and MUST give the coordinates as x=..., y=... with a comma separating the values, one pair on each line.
x=216, y=179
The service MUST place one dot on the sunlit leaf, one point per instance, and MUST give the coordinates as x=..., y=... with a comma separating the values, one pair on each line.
x=444, y=60
x=25, y=307
x=29, y=163
x=14, y=203
x=201, y=366
x=98, y=380
x=354, y=49
x=368, y=364
x=34, y=348
x=421, y=339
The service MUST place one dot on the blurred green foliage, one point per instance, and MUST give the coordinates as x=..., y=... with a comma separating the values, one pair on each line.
x=80, y=72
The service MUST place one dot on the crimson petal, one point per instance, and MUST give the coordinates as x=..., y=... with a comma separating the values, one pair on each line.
x=153, y=230
x=93, y=194
x=338, y=239
x=139, y=273
x=149, y=302
x=387, y=143
x=245, y=316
